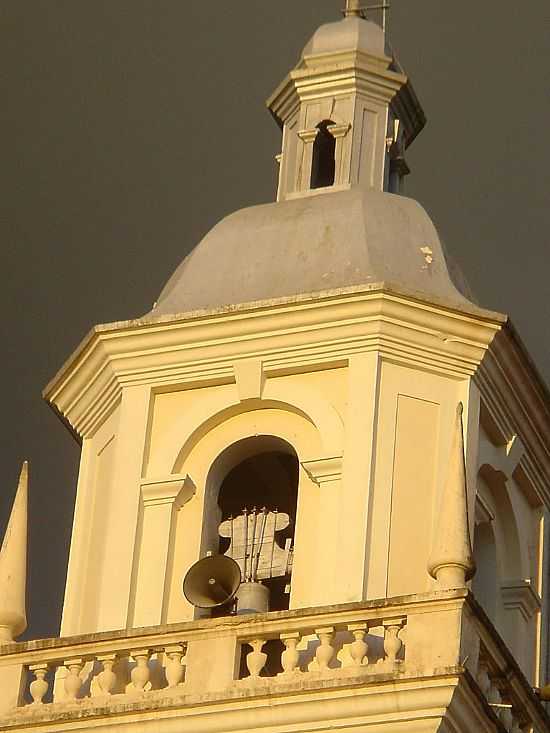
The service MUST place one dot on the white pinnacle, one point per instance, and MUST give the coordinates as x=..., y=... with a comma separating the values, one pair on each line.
x=13, y=565
x=451, y=562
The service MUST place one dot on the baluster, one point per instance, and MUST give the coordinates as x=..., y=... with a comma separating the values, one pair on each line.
x=73, y=683
x=141, y=673
x=506, y=718
x=392, y=642
x=325, y=650
x=39, y=686
x=493, y=696
x=359, y=648
x=291, y=656
x=256, y=659
x=516, y=728
x=106, y=679
x=174, y=667
x=483, y=679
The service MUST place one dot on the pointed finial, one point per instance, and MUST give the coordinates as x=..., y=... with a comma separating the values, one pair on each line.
x=13, y=565
x=354, y=9
x=451, y=562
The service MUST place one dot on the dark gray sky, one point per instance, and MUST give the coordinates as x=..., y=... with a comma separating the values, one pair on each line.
x=130, y=127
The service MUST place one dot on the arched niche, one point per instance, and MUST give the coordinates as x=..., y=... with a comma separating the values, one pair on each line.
x=501, y=556
x=510, y=554
x=486, y=580
x=212, y=454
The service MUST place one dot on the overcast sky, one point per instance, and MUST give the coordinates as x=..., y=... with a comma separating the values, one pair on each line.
x=130, y=127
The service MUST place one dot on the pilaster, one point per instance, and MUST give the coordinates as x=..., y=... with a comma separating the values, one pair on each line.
x=122, y=524
x=161, y=500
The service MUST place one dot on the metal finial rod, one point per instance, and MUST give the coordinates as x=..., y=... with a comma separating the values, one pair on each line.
x=353, y=8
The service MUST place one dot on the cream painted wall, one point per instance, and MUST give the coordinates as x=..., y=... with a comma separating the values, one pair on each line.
x=87, y=555
x=367, y=401
x=414, y=432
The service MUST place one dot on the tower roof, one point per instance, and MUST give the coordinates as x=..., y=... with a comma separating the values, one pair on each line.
x=350, y=33
x=311, y=244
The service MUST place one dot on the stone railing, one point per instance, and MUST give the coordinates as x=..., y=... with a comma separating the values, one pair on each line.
x=499, y=678
x=362, y=644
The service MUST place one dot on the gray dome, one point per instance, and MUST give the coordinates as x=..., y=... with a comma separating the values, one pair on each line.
x=311, y=244
x=346, y=34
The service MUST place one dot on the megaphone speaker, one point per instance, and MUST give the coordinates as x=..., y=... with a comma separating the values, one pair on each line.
x=212, y=581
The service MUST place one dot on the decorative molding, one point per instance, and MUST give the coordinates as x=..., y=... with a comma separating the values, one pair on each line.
x=287, y=335
x=339, y=131
x=324, y=470
x=174, y=490
x=308, y=136
x=249, y=377
x=520, y=595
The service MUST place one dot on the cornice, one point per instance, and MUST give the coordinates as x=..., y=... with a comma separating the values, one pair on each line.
x=341, y=73
x=520, y=595
x=518, y=402
x=408, y=109
x=289, y=335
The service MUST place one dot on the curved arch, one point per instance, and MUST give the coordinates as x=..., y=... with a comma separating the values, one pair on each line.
x=217, y=419
x=511, y=557
x=186, y=430
x=208, y=459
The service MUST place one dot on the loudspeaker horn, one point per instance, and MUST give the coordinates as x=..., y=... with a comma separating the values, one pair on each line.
x=212, y=581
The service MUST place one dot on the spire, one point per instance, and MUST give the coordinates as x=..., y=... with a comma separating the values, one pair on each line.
x=353, y=8
x=451, y=562
x=13, y=565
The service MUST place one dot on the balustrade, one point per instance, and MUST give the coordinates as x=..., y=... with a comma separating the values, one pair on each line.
x=307, y=647
x=129, y=672
x=496, y=690
x=323, y=658
x=104, y=682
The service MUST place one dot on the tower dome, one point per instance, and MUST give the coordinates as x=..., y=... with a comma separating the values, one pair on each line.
x=349, y=33
x=347, y=117
x=312, y=244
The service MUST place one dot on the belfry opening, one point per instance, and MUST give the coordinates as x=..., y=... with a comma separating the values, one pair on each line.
x=256, y=505
x=323, y=166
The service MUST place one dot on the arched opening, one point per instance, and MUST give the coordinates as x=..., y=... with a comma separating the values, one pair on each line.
x=485, y=583
x=323, y=166
x=252, y=512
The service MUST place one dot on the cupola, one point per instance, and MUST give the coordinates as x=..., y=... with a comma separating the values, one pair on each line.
x=347, y=112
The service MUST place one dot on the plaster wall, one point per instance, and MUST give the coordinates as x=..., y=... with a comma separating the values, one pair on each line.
x=361, y=124
x=87, y=556
x=413, y=440
x=372, y=440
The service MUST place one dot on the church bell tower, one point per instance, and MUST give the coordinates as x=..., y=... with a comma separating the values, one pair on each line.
x=313, y=490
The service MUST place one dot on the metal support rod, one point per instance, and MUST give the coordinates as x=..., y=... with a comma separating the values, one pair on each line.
x=245, y=515
x=276, y=512
x=355, y=9
x=254, y=524
x=262, y=533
